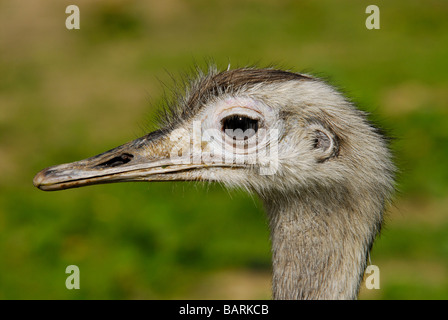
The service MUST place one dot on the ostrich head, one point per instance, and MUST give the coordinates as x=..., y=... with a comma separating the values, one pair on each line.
x=322, y=170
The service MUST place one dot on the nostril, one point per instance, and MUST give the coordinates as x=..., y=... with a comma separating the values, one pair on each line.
x=48, y=172
x=116, y=161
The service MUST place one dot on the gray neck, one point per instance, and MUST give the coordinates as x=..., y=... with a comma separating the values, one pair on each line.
x=320, y=245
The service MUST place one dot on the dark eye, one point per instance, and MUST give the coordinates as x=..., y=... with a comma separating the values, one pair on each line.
x=239, y=127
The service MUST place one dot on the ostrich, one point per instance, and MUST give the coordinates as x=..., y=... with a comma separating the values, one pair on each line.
x=322, y=171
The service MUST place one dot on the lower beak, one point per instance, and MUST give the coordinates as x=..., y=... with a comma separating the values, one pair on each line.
x=144, y=159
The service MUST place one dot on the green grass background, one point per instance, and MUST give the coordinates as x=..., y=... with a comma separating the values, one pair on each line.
x=69, y=94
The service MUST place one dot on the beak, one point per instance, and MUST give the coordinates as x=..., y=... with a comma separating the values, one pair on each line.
x=144, y=159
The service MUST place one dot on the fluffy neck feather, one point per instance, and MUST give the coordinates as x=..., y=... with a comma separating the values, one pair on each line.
x=320, y=244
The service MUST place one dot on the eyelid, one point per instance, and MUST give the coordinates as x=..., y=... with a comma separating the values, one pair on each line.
x=244, y=111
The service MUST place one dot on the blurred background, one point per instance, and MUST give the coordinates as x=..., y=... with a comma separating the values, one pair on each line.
x=69, y=94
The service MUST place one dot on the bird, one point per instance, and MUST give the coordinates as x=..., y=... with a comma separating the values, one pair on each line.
x=323, y=171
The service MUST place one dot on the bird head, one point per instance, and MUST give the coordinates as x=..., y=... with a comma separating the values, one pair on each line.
x=264, y=130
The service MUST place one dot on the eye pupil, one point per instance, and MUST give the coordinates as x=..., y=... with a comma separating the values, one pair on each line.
x=239, y=127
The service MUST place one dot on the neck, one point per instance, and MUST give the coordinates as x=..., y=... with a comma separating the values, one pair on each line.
x=320, y=245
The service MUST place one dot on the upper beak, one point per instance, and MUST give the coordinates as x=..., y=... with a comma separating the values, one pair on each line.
x=144, y=159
